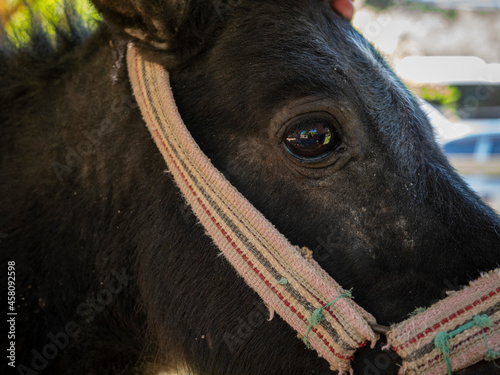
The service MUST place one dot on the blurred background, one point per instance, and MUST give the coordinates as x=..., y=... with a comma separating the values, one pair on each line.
x=446, y=51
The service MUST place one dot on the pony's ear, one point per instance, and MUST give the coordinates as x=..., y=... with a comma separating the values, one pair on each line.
x=178, y=28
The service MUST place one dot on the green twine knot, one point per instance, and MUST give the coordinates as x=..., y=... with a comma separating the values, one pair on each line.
x=482, y=321
x=442, y=340
x=491, y=355
x=485, y=321
x=442, y=343
x=317, y=315
x=283, y=281
x=346, y=294
x=417, y=311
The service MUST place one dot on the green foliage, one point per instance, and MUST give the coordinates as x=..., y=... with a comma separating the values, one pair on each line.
x=447, y=97
x=382, y=5
x=379, y=4
x=448, y=13
x=49, y=14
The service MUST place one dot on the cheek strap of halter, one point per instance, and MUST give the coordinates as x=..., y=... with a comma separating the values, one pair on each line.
x=286, y=277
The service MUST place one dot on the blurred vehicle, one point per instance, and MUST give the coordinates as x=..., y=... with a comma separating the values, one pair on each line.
x=472, y=139
x=476, y=154
x=477, y=158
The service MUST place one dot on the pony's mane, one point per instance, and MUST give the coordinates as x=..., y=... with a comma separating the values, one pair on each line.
x=32, y=48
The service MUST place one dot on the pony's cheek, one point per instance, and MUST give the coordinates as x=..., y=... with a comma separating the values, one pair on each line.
x=344, y=7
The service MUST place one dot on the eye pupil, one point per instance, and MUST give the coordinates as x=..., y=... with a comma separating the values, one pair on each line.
x=311, y=139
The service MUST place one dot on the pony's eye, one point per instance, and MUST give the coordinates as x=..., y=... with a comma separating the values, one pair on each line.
x=312, y=137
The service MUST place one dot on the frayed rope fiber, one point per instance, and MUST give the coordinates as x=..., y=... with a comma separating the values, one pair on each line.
x=317, y=315
x=442, y=340
x=452, y=334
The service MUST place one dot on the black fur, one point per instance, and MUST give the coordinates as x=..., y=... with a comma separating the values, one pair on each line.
x=106, y=250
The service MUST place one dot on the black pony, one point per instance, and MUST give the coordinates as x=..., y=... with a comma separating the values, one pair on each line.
x=113, y=274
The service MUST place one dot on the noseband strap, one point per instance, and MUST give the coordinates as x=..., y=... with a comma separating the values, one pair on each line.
x=416, y=340
x=286, y=277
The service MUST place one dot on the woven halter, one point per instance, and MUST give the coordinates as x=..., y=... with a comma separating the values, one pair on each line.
x=286, y=277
